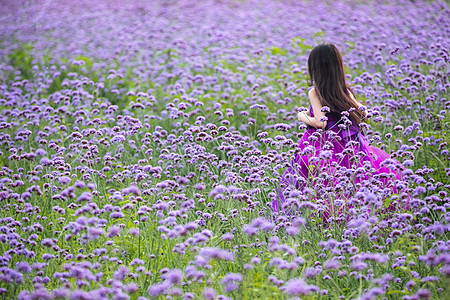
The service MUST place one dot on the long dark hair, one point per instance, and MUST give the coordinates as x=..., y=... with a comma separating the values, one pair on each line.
x=326, y=68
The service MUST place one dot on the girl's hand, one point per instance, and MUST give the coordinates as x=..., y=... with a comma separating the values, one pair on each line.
x=301, y=116
x=311, y=121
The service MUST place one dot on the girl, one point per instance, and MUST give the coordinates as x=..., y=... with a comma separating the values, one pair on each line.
x=334, y=159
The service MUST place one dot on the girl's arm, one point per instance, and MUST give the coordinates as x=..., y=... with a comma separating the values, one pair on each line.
x=359, y=105
x=318, y=114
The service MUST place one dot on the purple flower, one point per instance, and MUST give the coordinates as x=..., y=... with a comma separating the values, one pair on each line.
x=133, y=189
x=159, y=288
x=199, y=186
x=79, y=184
x=209, y=293
x=23, y=267
x=81, y=295
x=220, y=189
x=250, y=230
x=358, y=265
x=116, y=215
x=131, y=288
x=310, y=272
x=296, y=286
x=118, y=139
x=332, y=264
x=423, y=294
x=121, y=273
x=47, y=242
x=430, y=278
x=173, y=276
x=40, y=152
x=113, y=231
x=39, y=266
x=100, y=251
x=47, y=256
x=64, y=180
x=11, y=276
x=24, y=295
x=41, y=293
x=134, y=231
x=216, y=253
x=95, y=233
x=61, y=293
x=255, y=260
x=231, y=278
x=85, y=196
x=410, y=284
x=227, y=236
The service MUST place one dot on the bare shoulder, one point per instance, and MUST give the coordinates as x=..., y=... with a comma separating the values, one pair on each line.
x=312, y=92
x=313, y=96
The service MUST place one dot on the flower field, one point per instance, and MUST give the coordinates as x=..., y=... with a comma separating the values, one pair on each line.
x=142, y=144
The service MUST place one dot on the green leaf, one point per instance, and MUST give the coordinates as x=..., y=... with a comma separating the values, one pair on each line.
x=387, y=202
x=87, y=60
x=277, y=50
x=396, y=292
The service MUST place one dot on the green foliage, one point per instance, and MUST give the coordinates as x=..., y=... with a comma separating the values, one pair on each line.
x=21, y=59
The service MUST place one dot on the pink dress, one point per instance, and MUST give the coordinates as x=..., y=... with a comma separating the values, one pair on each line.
x=333, y=164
